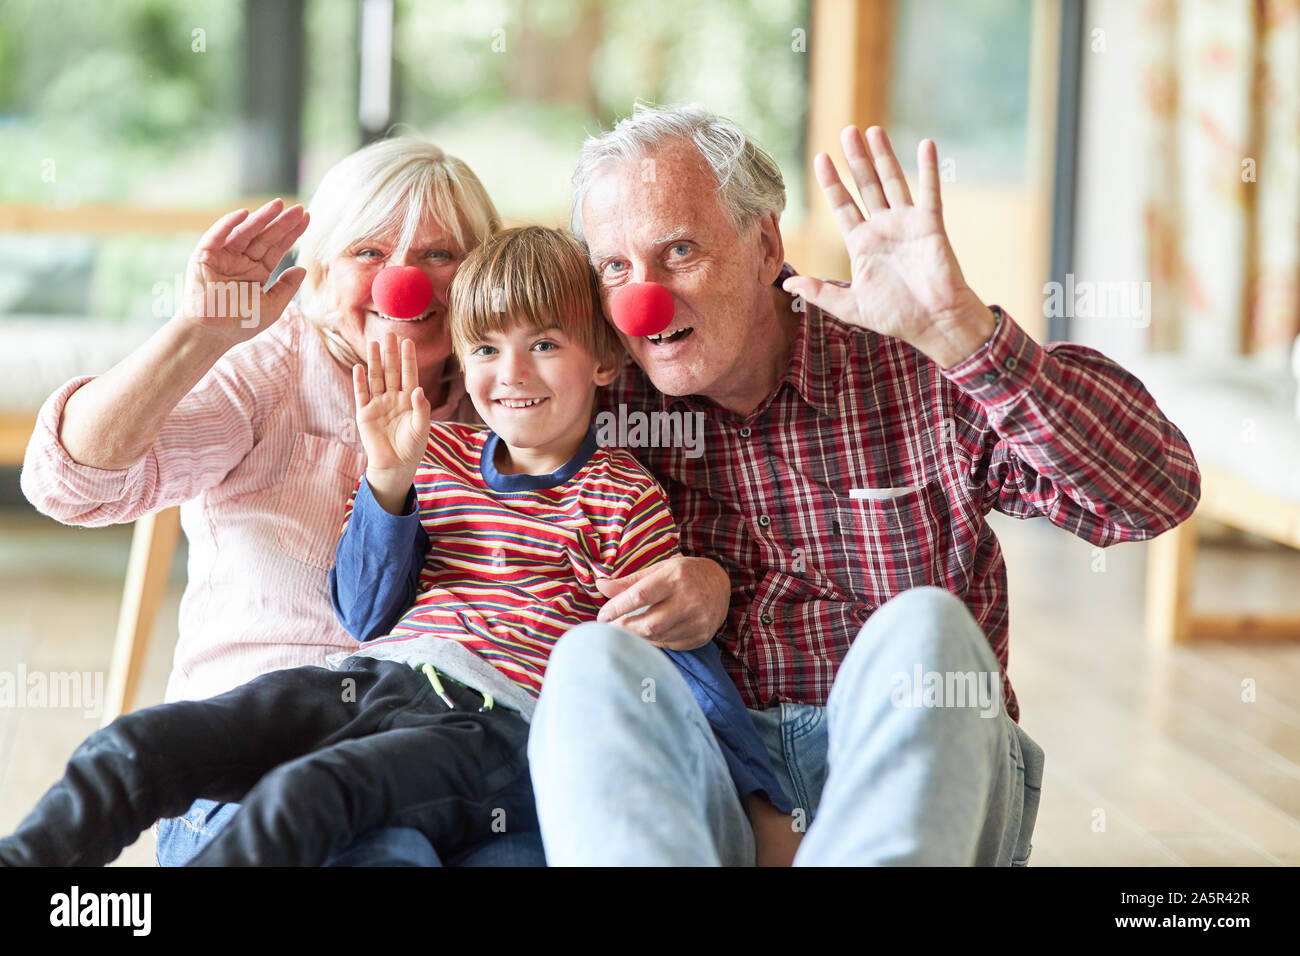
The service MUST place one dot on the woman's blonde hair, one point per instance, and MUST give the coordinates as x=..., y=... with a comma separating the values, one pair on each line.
x=387, y=188
x=534, y=274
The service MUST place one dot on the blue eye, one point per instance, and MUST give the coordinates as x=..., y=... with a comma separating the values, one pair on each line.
x=438, y=254
x=545, y=346
x=369, y=254
x=609, y=267
x=482, y=350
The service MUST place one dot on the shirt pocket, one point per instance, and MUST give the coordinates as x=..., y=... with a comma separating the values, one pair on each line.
x=898, y=538
x=313, y=497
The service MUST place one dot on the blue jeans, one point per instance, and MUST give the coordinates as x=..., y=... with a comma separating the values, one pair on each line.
x=181, y=838
x=880, y=775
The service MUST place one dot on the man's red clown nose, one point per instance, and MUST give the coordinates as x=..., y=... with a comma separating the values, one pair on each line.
x=642, y=308
x=402, y=292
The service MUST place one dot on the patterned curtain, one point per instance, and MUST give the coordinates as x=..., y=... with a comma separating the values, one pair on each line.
x=1221, y=107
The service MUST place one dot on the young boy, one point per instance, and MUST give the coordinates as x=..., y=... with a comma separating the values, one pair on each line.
x=473, y=549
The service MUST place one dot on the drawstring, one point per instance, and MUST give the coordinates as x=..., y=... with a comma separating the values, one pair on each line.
x=431, y=672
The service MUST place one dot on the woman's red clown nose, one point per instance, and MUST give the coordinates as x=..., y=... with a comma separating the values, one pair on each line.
x=642, y=308
x=402, y=292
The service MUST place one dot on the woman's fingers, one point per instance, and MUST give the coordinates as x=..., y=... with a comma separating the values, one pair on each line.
x=271, y=240
x=217, y=233
x=272, y=301
x=887, y=168
x=863, y=170
x=843, y=208
x=250, y=228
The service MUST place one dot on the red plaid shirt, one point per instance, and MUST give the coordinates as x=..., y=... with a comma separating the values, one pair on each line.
x=1058, y=431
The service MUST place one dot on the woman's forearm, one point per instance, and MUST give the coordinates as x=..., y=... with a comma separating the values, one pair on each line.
x=111, y=421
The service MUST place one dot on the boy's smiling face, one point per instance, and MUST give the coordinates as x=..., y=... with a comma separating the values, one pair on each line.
x=534, y=387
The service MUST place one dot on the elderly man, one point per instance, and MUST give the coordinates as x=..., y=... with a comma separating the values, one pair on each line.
x=855, y=436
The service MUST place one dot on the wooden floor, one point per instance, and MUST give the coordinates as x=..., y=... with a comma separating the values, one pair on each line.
x=1153, y=756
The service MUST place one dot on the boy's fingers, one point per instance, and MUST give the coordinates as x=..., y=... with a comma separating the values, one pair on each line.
x=421, y=410
x=410, y=371
x=360, y=394
x=374, y=370
x=392, y=362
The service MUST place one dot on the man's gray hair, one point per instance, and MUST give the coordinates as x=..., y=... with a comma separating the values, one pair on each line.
x=749, y=181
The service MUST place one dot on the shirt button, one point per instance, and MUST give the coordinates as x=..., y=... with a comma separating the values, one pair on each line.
x=764, y=521
x=991, y=378
x=745, y=432
x=766, y=618
x=1010, y=364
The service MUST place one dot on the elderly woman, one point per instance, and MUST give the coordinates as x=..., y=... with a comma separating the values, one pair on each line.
x=248, y=421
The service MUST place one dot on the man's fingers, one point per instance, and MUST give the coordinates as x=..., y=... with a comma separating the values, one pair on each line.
x=887, y=168
x=927, y=161
x=827, y=296
x=843, y=208
x=863, y=170
x=643, y=588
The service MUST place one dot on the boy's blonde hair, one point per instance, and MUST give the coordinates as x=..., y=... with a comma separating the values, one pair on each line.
x=534, y=273
x=387, y=188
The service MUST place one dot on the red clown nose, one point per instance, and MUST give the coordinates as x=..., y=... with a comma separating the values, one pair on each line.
x=402, y=292
x=642, y=308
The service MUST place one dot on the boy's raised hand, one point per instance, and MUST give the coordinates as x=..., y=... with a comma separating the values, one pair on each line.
x=392, y=419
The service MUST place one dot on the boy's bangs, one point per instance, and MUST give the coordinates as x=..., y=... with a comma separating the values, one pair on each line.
x=525, y=276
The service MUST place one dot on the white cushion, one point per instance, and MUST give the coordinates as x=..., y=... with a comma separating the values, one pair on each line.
x=40, y=353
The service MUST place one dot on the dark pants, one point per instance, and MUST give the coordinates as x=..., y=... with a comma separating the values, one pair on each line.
x=316, y=757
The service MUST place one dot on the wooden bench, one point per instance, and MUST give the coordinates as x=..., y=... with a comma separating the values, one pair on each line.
x=1240, y=418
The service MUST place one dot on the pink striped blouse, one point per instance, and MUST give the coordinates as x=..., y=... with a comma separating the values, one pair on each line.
x=263, y=454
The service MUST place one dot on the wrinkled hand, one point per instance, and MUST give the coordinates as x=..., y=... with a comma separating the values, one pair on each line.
x=225, y=276
x=392, y=419
x=905, y=281
x=687, y=600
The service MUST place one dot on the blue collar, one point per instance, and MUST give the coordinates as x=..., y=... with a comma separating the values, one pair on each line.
x=499, y=482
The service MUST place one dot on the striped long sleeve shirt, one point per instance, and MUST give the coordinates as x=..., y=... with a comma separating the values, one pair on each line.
x=492, y=569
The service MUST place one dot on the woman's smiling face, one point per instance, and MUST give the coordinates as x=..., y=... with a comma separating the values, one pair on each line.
x=350, y=275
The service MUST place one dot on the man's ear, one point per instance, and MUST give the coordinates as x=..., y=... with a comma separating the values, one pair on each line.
x=772, y=246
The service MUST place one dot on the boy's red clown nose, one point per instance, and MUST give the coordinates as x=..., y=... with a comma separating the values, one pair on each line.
x=402, y=292
x=642, y=308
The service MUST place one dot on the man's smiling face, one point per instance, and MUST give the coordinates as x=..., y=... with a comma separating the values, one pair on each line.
x=660, y=219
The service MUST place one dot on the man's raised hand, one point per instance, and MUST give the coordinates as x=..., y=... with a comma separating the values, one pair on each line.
x=905, y=281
